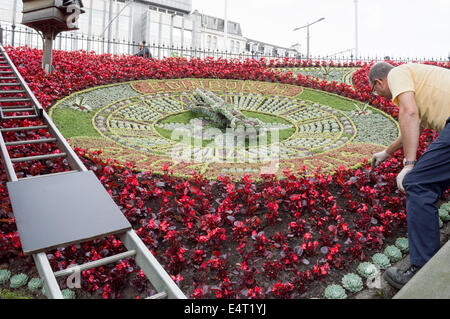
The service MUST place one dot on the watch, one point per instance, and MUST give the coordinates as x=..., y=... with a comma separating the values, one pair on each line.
x=406, y=163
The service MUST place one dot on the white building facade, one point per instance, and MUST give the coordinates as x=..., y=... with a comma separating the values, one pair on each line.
x=117, y=26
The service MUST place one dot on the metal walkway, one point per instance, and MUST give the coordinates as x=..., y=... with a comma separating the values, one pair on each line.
x=61, y=209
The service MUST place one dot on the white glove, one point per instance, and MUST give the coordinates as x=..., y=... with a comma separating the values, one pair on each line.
x=378, y=158
x=401, y=177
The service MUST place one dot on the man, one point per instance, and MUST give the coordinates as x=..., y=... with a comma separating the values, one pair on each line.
x=422, y=93
x=144, y=51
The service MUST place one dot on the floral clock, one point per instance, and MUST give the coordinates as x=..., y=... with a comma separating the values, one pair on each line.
x=141, y=121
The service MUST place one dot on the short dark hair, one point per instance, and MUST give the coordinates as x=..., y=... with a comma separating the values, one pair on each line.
x=379, y=70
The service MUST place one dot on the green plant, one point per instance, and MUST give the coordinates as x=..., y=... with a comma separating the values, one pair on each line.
x=402, y=244
x=68, y=294
x=444, y=215
x=5, y=274
x=367, y=269
x=446, y=207
x=393, y=253
x=18, y=281
x=224, y=115
x=335, y=292
x=79, y=105
x=361, y=110
x=381, y=261
x=35, y=284
x=352, y=282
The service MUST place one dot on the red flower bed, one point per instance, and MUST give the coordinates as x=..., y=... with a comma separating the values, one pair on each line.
x=219, y=239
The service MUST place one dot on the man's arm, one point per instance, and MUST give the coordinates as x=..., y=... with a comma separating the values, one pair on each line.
x=409, y=124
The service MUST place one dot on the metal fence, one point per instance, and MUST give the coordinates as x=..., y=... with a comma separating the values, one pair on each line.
x=73, y=41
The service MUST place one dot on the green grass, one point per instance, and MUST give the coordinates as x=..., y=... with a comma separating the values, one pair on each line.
x=329, y=100
x=74, y=123
x=7, y=294
x=184, y=118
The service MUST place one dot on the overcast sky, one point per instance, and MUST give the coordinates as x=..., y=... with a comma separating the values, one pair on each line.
x=398, y=28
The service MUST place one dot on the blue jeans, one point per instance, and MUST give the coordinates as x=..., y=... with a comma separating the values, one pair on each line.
x=424, y=185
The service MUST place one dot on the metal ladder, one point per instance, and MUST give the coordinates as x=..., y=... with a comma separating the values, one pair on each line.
x=18, y=103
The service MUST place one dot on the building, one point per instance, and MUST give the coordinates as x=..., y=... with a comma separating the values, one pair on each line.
x=117, y=26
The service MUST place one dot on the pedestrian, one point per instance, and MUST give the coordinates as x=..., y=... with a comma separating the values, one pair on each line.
x=144, y=51
x=422, y=93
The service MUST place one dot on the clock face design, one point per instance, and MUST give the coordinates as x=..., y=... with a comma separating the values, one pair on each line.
x=153, y=125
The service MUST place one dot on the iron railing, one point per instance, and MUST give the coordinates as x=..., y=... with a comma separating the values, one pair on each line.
x=73, y=41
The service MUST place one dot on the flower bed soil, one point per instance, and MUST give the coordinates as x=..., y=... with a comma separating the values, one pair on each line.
x=278, y=238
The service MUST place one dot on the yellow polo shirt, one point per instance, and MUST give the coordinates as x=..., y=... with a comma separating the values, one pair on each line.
x=431, y=85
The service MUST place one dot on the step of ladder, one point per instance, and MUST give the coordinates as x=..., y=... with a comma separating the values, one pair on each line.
x=14, y=99
x=38, y=141
x=10, y=84
x=12, y=91
x=37, y=158
x=27, y=128
x=19, y=117
x=17, y=110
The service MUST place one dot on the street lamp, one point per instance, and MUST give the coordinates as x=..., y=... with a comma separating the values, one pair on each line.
x=356, y=30
x=307, y=34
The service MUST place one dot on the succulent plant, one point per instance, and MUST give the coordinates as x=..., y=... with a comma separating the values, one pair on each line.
x=18, y=281
x=393, y=253
x=402, y=244
x=446, y=207
x=68, y=294
x=444, y=215
x=352, y=282
x=381, y=260
x=367, y=269
x=335, y=292
x=5, y=274
x=441, y=223
x=35, y=284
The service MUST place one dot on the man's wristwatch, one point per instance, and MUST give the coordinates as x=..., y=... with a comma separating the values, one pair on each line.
x=406, y=163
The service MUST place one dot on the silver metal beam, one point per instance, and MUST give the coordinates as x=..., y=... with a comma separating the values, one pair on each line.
x=51, y=287
x=159, y=278
x=95, y=264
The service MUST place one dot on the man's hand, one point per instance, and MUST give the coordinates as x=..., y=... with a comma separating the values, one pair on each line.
x=401, y=177
x=380, y=157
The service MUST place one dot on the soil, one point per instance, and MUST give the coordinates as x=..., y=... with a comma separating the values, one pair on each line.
x=132, y=288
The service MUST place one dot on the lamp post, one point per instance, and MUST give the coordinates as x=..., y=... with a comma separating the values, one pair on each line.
x=14, y=22
x=356, y=29
x=307, y=34
x=226, y=25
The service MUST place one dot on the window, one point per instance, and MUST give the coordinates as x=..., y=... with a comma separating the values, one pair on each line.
x=208, y=42
x=154, y=32
x=177, y=37
x=187, y=39
x=214, y=44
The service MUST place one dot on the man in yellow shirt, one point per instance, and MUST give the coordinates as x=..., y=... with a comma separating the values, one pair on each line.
x=422, y=93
